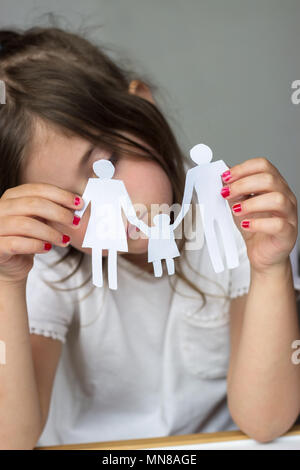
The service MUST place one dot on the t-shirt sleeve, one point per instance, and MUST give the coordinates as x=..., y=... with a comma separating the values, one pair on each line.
x=239, y=277
x=50, y=312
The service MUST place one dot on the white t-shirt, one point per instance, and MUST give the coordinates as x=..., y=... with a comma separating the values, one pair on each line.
x=140, y=361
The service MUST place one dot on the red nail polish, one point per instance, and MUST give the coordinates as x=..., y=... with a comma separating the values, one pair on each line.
x=246, y=224
x=65, y=239
x=226, y=176
x=76, y=220
x=47, y=246
x=77, y=201
x=237, y=207
x=225, y=191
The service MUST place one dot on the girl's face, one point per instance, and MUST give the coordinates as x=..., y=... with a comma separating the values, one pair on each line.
x=57, y=159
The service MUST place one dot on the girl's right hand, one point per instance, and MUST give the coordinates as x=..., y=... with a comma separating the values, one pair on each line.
x=24, y=211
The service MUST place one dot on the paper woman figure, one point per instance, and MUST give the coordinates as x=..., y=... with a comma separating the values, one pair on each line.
x=105, y=230
x=161, y=243
x=205, y=178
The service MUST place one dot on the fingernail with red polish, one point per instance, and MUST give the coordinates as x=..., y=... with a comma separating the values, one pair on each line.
x=245, y=224
x=65, y=239
x=77, y=201
x=47, y=246
x=237, y=208
x=226, y=176
x=76, y=220
x=225, y=191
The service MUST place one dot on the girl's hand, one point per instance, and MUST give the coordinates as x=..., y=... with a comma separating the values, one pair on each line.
x=24, y=211
x=258, y=194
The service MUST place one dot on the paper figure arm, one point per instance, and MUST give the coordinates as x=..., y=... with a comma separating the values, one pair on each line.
x=223, y=166
x=131, y=214
x=143, y=227
x=186, y=200
x=86, y=198
x=178, y=220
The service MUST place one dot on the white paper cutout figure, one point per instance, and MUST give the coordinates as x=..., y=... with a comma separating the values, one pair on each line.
x=106, y=229
x=205, y=178
x=161, y=243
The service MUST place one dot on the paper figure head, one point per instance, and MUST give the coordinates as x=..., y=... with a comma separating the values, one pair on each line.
x=162, y=220
x=104, y=169
x=201, y=154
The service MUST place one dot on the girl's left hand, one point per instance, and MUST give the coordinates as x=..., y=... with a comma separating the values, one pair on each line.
x=258, y=194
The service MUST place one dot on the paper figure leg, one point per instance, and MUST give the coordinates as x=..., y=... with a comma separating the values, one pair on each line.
x=230, y=248
x=112, y=269
x=212, y=244
x=170, y=266
x=157, y=268
x=97, y=267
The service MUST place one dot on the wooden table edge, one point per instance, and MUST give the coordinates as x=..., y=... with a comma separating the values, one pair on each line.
x=168, y=441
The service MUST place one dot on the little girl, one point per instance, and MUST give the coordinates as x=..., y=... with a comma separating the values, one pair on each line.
x=188, y=353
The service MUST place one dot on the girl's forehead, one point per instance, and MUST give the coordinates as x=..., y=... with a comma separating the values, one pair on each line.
x=48, y=134
x=51, y=154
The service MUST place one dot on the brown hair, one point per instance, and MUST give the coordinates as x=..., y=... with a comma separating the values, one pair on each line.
x=62, y=78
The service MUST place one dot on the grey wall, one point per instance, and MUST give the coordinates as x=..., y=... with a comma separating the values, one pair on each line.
x=224, y=67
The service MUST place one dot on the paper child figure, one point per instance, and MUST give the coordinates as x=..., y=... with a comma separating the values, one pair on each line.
x=205, y=178
x=106, y=229
x=161, y=243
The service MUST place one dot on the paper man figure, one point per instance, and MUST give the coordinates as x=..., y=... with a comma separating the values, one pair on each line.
x=161, y=243
x=106, y=229
x=205, y=178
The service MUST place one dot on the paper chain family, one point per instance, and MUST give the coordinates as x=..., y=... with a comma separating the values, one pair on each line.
x=106, y=230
